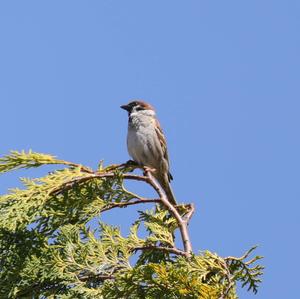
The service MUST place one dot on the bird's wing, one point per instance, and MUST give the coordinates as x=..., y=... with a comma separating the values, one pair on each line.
x=163, y=144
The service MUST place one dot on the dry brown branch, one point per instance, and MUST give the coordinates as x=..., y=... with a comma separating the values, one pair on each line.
x=182, y=223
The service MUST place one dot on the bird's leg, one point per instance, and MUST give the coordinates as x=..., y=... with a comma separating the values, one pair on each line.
x=148, y=169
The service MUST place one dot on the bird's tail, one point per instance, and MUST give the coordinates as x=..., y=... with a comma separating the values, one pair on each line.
x=164, y=182
x=170, y=194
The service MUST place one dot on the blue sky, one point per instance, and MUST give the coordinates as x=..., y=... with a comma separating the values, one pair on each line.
x=224, y=77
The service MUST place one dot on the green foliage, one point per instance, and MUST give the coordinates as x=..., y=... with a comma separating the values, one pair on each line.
x=247, y=272
x=160, y=225
x=17, y=160
x=48, y=249
x=202, y=276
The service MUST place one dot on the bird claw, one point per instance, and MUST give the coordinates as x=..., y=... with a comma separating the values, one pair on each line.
x=148, y=169
x=131, y=163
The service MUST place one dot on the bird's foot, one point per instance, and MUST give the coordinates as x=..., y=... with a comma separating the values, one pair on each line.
x=148, y=170
x=131, y=163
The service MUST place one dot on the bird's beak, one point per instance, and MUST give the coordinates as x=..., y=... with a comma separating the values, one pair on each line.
x=125, y=107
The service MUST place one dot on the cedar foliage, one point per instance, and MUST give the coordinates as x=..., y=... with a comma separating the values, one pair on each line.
x=48, y=249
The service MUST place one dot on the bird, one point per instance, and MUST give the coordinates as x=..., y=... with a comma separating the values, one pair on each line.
x=146, y=143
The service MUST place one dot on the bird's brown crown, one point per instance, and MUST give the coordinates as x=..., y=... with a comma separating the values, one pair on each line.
x=138, y=105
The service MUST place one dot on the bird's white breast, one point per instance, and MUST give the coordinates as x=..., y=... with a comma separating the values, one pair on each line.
x=142, y=141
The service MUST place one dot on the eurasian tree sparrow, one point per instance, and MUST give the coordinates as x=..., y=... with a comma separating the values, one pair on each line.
x=147, y=145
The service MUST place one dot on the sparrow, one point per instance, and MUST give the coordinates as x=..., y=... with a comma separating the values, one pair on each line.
x=146, y=143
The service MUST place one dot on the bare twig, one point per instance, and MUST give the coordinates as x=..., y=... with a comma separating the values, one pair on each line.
x=228, y=258
x=134, y=195
x=129, y=203
x=190, y=213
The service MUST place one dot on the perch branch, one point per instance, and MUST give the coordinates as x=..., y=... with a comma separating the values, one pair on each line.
x=68, y=185
x=187, y=245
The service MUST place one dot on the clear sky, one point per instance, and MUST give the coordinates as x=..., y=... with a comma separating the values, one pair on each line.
x=224, y=77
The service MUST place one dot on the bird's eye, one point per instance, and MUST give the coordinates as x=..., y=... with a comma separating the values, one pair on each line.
x=139, y=108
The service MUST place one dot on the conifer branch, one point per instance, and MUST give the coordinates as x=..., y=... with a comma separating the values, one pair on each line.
x=245, y=271
x=182, y=222
x=49, y=248
x=99, y=277
x=17, y=160
x=96, y=175
x=129, y=203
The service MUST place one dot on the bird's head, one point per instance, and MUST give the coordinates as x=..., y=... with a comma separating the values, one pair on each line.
x=136, y=106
